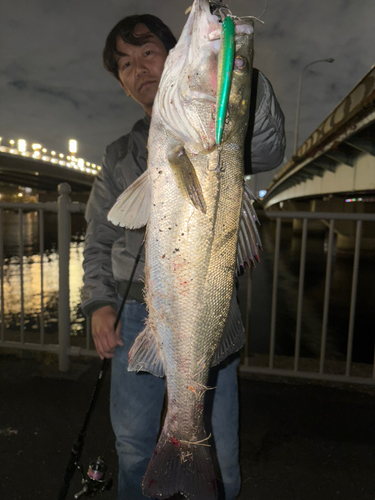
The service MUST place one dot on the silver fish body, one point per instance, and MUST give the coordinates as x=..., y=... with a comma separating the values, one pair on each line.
x=192, y=200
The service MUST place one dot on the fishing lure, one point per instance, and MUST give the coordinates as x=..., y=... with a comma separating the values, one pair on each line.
x=226, y=58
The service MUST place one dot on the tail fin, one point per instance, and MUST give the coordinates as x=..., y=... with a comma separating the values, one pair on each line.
x=180, y=467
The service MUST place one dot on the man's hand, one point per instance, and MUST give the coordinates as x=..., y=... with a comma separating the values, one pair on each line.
x=106, y=339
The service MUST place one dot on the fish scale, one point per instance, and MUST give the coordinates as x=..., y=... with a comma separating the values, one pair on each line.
x=191, y=199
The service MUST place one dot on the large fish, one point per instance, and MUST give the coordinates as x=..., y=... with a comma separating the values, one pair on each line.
x=199, y=223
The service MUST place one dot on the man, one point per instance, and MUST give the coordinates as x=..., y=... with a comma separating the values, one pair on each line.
x=135, y=52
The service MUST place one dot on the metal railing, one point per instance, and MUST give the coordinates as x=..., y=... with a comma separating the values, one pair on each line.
x=64, y=207
x=296, y=371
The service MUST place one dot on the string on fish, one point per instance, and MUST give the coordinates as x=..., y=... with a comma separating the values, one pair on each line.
x=199, y=443
x=250, y=17
x=264, y=10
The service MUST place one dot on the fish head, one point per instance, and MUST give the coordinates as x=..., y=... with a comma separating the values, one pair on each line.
x=187, y=94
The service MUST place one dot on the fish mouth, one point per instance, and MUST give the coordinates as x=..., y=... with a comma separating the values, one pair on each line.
x=186, y=100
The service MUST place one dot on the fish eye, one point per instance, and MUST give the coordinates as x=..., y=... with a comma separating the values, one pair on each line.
x=240, y=63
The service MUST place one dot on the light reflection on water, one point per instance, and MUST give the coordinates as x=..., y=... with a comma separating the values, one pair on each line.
x=363, y=348
x=31, y=264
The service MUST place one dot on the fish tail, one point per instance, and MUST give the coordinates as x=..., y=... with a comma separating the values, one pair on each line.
x=180, y=467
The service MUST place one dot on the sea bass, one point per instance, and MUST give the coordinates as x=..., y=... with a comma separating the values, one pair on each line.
x=200, y=223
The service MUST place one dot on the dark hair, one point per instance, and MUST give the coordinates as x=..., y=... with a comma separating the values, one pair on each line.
x=125, y=30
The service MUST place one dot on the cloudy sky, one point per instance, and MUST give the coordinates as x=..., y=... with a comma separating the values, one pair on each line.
x=53, y=86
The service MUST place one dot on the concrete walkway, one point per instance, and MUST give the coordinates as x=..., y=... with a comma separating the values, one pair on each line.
x=299, y=440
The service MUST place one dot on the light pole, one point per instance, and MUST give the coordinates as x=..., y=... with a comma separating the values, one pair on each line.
x=296, y=127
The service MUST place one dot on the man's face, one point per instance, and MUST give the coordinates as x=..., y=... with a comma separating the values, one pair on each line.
x=140, y=68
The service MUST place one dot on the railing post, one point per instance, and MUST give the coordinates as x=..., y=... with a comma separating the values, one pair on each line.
x=63, y=242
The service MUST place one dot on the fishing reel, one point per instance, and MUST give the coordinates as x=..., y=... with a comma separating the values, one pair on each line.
x=94, y=481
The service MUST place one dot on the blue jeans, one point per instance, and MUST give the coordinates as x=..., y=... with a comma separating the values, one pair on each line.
x=136, y=406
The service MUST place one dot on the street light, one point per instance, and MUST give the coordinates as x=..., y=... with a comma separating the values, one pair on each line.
x=329, y=60
x=73, y=146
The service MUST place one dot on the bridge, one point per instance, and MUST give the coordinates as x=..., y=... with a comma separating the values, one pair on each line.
x=338, y=158
x=45, y=171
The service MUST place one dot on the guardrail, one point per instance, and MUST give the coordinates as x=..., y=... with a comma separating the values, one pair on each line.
x=296, y=371
x=64, y=207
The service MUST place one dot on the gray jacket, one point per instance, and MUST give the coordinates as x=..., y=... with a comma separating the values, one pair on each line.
x=110, y=251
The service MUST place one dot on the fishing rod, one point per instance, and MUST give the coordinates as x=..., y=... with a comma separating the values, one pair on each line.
x=95, y=479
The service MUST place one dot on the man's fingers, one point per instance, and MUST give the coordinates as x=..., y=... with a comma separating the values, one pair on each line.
x=118, y=334
x=105, y=337
x=103, y=352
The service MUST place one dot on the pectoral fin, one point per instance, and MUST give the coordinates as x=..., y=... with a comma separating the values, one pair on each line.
x=186, y=178
x=248, y=236
x=132, y=208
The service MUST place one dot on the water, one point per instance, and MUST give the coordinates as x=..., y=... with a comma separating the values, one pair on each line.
x=312, y=319
x=262, y=276
x=32, y=281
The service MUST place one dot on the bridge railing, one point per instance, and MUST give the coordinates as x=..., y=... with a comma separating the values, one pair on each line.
x=273, y=364
x=64, y=207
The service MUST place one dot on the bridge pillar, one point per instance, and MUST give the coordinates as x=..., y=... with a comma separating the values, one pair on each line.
x=304, y=206
x=346, y=230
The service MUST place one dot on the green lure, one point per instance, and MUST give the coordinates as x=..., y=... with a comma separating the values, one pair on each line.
x=226, y=57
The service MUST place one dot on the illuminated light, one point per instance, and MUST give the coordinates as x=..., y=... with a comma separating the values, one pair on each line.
x=28, y=190
x=53, y=160
x=11, y=142
x=88, y=163
x=36, y=173
x=61, y=162
x=73, y=146
x=44, y=150
x=88, y=170
x=20, y=195
x=73, y=158
x=12, y=151
x=36, y=154
x=81, y=162
x=36, y=146
x=53, y=153
x=99, y=168
x=247, y=177
x=21, y=145
x=24, y=153
x=44, y=158
x=61, y=155
x=262, y=193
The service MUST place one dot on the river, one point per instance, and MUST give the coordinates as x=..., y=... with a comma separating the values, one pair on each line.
x=262, y=275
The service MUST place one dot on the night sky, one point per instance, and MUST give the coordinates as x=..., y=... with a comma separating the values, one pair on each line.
x=53, y=85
